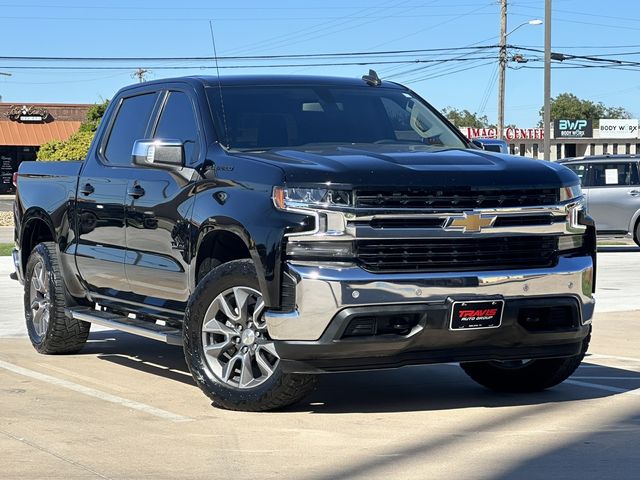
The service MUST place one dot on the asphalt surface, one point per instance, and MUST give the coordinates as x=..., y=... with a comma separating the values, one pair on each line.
x=126, y=407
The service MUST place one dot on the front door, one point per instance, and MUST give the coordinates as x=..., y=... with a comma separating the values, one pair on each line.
x=158, y=213
x=614, y=195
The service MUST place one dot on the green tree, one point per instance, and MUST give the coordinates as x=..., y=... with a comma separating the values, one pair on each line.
x=465, y=118
x=77, y=146
x=567, y=106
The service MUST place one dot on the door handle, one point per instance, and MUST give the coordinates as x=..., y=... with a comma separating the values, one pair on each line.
x=136, y=191
x=634, y=193
x=87, y=189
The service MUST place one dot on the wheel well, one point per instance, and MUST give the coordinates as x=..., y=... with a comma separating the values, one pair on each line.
x=222, y=247
x=36, y=231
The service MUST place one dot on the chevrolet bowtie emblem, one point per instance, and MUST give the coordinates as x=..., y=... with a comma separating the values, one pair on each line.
x=469, y=222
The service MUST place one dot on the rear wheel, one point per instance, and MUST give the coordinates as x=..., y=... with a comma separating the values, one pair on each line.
x=524, y=375
x=228, y=348
x=45, y=298
x=636, y=234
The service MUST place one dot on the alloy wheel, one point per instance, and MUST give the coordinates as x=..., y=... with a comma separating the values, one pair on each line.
x=40, y=299
x=235, y=340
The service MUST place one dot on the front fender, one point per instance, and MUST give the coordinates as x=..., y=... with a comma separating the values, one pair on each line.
x=249, y=214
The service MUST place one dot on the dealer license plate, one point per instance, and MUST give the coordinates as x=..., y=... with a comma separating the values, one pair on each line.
x=476, y=314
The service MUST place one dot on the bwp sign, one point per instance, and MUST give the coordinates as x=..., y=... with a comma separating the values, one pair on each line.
x=573, y=128
x=619, y=128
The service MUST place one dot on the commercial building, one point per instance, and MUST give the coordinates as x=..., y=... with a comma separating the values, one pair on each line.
x=25, y=127
x=569, y=138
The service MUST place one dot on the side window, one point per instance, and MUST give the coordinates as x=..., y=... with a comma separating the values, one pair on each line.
x=130, y=125
x=581, y=170
x=613, y=174
x=178, y=121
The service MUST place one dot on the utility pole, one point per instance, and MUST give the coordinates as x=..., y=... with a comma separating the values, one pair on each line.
x=546, y=118
x=502, y=66
x=140, y=74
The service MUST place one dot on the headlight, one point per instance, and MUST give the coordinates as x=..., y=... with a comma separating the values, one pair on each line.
x=295, y=198
x=569, y=193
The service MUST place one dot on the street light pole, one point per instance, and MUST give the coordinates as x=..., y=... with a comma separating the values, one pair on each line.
x=502, y=62
x=547, y=81
x=6, y=75
x=502, y=66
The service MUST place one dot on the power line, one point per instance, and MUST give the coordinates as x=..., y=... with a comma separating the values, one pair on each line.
x=204, y=67
x=250, y=57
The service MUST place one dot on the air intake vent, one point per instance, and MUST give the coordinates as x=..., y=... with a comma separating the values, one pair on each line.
x=455, y=198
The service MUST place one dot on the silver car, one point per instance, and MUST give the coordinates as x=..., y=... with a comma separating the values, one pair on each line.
x=611, y=186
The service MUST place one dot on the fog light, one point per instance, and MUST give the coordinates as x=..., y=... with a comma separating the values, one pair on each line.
x=320, y=249
x=570, y=242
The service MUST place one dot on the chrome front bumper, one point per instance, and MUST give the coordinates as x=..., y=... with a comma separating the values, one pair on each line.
x=322, y=291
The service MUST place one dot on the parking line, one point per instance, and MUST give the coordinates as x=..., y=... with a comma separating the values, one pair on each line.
x=607, y=388
x=92, y=392
x=605, y=378
x=613, y=357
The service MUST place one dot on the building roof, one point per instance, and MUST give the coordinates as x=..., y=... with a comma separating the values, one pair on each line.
x=35, y=134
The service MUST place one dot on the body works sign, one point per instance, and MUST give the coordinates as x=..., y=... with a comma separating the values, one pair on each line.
x=573, y=128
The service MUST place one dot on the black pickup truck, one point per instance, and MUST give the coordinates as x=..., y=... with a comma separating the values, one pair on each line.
x=283, y=226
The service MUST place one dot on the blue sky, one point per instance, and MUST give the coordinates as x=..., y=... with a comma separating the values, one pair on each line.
x=124, y=28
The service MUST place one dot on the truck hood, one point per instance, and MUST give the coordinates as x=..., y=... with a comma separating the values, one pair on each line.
x=409, y=166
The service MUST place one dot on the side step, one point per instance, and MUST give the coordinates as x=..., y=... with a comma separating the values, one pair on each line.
x=172, y=336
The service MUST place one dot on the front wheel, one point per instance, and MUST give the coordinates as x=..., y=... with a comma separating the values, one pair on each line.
x=521, y=376
x=227, y=346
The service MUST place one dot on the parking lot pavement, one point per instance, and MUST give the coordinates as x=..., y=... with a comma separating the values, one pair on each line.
x=126, y=407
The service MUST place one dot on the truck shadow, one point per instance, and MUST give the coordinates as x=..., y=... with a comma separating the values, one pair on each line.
x=415, y=388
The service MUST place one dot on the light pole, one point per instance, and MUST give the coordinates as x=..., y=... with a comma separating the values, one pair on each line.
x=546, y=118
x=503, y=62
x=6, y=75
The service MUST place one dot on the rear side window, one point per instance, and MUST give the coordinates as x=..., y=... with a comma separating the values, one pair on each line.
x=613, y=174
x=579, y=169
x=178, y=122
x=130, y=125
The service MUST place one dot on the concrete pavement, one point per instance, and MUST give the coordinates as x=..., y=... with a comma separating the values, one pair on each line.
x=6, y=234
x=126, y=407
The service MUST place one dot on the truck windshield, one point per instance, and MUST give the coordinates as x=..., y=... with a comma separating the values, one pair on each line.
x=266, y=117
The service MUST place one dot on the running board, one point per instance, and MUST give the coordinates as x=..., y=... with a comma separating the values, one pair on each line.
x=172, y=336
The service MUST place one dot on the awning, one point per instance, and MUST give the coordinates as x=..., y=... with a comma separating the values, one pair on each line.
x=35, y=134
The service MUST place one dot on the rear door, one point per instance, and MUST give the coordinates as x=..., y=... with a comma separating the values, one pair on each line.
x=102, y=194
x=159, y=209
x=614, y=194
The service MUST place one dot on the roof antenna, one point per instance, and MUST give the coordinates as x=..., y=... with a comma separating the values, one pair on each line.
x=372, y=79
x=215, y=53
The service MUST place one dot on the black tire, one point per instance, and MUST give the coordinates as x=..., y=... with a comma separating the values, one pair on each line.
x=61, y=334
x=531, y=376
x=636, y=233
x=279, y=390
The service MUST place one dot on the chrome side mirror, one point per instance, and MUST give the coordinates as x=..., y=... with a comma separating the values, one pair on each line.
x=160, y=153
